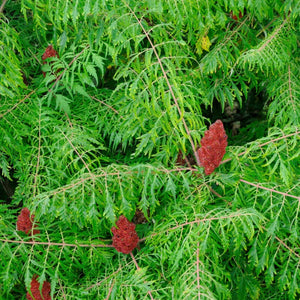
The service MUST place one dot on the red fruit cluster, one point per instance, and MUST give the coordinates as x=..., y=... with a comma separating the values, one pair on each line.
x=35, y=290
x=49, y=52
x=213, y=147
x=25, y=222
x=125, y=238
x=234, y=17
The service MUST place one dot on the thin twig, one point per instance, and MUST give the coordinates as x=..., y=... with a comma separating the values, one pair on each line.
x=82, y=180
x=277, y=238
x=110, y=289
x=168, y=83
x=102, y=102
x=266, y=27
x=79, y=155
x=100, y=282
x=2, y=6
x=35, y=57
x=55, y=244
x=290, y=89
x=38, y=157
x=261, y=145
x=280, y=138
x=69, y=121
x=284, y=244
x=62, y=289
x=17, y=104
x=65, y=69
x=262, y=47
x=213, y=191
x=137, y=267
x=134, y=260
x=198, y=276
x=197, y=222
x=54, y=84
x=268, y=189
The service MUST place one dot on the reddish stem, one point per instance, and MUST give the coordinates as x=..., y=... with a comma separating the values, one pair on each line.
x=55, y=244
x=137, y=267
x=169, y=85
x=268, y=189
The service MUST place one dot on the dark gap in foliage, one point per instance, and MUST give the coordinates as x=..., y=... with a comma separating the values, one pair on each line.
x=7, y=187
x=242, y=124
x=108, y=80
x=18, y=292
x=139, y=217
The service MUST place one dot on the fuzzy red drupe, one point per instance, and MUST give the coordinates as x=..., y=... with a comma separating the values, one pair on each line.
x=125, y=238
x=49, y=52
x=35, y=290
x=25, y=222
x=234, y=17
x=213, y=147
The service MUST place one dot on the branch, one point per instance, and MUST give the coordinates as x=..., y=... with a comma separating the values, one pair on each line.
x=105, y=174
x=2, y=6
x=55, y=244
x=197, y=222
x=134, y=260
x=277, y=139
x=290, y=89
x=81, y=158
x=262, y=47
x=264, y=144
x=102, y=102
x=271, y=190
x=169, y=85
x=61, y=288
x=137, y=267
x=100, y=282
x=38, y=156
x=65, y=69
x=277, y=238
x=284, y=244
x=17, y=104
x=198, y=270
x=110, y=289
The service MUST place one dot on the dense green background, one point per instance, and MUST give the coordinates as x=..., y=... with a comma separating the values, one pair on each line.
x=135, y=83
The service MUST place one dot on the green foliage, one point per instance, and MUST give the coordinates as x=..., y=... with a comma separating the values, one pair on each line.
x=98, y=137
x=10, y=76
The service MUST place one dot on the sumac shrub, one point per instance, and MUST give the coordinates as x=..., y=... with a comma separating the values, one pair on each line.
x=159, y=155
